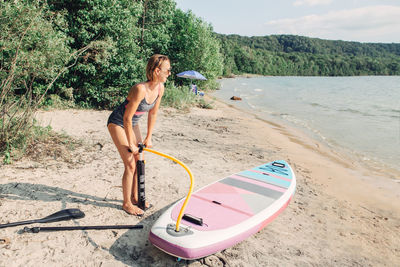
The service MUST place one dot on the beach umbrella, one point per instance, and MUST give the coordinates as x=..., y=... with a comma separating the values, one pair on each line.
x=191, y=74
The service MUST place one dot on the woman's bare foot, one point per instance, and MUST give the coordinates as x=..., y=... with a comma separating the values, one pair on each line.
x=132, y=209
x=146, y=204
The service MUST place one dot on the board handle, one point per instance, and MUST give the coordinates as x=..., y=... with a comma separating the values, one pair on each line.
x=193, y=219
x=278, y=164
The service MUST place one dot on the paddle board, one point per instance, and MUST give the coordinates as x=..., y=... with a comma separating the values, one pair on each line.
x=225, y=212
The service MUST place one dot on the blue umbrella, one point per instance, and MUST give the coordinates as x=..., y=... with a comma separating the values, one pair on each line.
x=191, y=74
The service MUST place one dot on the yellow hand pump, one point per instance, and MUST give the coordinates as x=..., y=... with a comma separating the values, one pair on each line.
x=178, y=221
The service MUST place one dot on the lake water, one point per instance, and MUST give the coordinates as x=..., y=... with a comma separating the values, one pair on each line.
x=358, y=114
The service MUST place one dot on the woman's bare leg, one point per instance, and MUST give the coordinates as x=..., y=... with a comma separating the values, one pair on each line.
x=129, y=183
x=135, y=190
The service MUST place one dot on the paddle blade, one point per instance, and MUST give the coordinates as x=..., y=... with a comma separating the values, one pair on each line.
x=63, y=215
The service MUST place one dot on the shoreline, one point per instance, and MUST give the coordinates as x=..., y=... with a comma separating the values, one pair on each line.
x=373, y=164
x=338, y=215
x=342, y=155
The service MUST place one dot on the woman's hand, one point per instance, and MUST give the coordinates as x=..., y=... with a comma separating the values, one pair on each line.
x=147, y=142
x=133, y=149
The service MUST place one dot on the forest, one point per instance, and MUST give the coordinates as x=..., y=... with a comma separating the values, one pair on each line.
x=290, y=55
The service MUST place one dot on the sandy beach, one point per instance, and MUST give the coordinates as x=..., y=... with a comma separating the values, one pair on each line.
x=342, y=214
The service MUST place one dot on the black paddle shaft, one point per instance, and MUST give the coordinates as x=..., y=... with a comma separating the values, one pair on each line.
x=71, y=228
x=62, y=215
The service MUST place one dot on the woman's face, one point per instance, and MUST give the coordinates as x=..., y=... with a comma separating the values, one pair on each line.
x=165, y=71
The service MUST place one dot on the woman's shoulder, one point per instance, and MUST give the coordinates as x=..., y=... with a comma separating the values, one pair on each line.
x=138, y=89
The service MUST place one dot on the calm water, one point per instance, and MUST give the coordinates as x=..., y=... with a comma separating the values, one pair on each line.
x=359, y=114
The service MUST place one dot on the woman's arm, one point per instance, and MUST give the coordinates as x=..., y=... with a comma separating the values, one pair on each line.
x=136, y=95
x=151, y=120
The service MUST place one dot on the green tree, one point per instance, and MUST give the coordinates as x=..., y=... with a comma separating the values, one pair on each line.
x=112, y=62
x=155, y=24
x=194, y=46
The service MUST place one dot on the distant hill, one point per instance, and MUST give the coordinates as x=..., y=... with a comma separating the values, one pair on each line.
x=304, y=56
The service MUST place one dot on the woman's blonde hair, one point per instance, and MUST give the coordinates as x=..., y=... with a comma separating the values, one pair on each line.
x=154, y=62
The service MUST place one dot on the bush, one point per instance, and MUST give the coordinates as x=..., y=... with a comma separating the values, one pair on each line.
x=33, y=56
x=178, y=97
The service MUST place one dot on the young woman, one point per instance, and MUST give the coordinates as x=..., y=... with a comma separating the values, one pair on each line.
x=124, y=128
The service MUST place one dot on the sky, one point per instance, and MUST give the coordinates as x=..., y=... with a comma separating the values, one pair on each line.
x=376, y=21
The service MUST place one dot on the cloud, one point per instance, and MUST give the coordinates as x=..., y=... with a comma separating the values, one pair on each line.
x=366, y=24
x=311, y=2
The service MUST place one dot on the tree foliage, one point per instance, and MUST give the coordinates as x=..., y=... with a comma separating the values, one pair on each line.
x=111, y=41
x=297, y=55
x=194, y=46
x=32, y=52
x=110, y=64
x=121, y=35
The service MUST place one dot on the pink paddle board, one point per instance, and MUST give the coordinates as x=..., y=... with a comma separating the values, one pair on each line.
x=225, y=212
